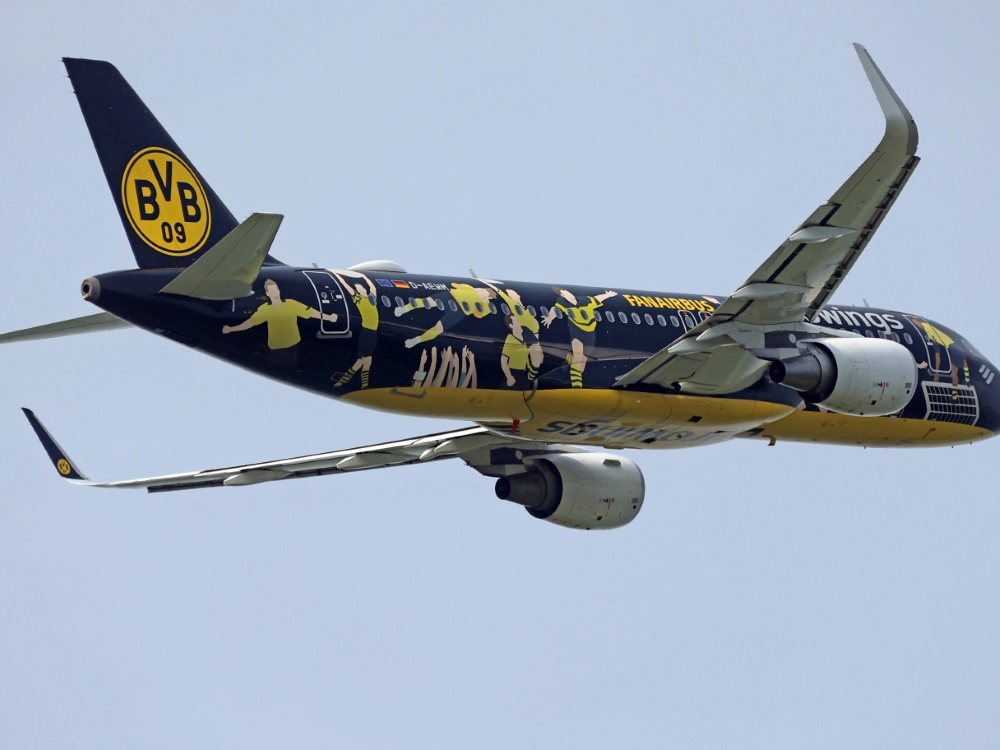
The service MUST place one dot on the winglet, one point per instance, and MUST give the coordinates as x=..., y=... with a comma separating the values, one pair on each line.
x=229, y=269
x=899, y=122
x=66, y=468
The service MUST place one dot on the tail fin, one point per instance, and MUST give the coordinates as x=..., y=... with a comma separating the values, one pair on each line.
x=170, y=213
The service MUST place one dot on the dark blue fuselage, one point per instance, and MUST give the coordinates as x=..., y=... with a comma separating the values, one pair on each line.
x=341, y=332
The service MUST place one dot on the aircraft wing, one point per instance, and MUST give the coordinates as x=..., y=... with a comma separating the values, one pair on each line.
x=720, y=355
x=491, y=453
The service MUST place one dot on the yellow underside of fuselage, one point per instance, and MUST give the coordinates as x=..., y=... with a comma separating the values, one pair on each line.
x=625, y=419
x=874, y=432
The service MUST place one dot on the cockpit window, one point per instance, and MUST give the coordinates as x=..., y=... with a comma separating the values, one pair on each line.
x=972, y=349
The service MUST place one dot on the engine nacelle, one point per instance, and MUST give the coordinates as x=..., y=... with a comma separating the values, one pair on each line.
x=578, y=490
x=862, y=377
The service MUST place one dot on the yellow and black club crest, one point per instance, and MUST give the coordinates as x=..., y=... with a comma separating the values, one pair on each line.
x=165, y=202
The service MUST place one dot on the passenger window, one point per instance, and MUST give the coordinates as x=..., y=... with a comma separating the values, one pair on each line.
x=661, y=320
x=399, y=301
x=572, y=314
x=649, y=319
x=610, y=316
x=545, y=310
x=453, y=305
x=493, y=308
x=621, y=317
x=465, y=307
x=635, y=317
x=372, y=300
x=385, y=301
x=531, y=311
x=895, y=337
x=440, y=304
x=907, y=338
x=674, y=321
x=518, y=310
x=506, y=310
x=559, y=313
x=869, y=334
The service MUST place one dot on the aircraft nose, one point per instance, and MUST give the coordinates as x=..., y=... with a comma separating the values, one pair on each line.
x=989, y=407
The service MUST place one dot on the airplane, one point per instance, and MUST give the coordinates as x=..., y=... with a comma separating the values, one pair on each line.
x=544, y=372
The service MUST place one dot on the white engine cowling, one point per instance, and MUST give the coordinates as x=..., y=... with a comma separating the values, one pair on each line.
x=862, y=377
x=578, y=490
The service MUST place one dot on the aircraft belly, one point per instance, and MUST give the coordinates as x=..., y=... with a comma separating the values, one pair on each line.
x=625, y=419
x=839, y=429
x=601, y=417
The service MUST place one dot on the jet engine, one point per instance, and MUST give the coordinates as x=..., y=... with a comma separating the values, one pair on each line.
x=578, y=490
x=861, y=377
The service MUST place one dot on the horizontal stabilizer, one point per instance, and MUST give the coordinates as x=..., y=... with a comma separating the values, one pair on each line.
x=87, y=324
x=229, y=269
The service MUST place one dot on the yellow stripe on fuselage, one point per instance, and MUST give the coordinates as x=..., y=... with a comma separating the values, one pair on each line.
x=601, y=417
x=475, y=404
x=873, y=432
x=626, y=419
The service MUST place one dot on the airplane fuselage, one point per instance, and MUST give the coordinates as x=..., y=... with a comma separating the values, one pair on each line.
x=540, y=360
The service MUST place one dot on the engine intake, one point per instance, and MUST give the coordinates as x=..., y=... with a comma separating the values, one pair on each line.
x=861, y=377
x=578, y=490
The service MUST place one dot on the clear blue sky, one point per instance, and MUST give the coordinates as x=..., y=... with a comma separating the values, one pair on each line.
x=786, y=597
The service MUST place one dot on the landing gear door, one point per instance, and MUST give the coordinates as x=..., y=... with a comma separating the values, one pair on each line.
x=330, y=298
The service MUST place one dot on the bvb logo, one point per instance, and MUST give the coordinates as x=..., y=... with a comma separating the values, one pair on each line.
x=63, y=466
x=165, y=202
